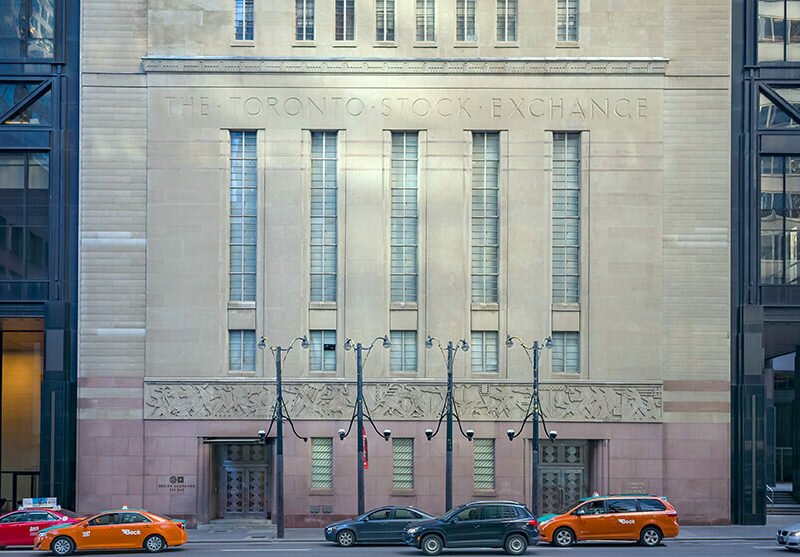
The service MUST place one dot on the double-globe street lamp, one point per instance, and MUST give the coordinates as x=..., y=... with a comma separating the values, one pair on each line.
x=448, y=411
x=534, y=412
x=358, y=410
x=278, y=414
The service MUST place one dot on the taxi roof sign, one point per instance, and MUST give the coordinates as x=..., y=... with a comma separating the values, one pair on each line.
x=41, y=503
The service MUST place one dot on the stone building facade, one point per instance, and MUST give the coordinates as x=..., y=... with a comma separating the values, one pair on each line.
x=455, y=168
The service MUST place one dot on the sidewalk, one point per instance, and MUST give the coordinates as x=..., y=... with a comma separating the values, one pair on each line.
x=688, y=533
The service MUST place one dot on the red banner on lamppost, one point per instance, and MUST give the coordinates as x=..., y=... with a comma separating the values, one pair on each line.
x=366, y=453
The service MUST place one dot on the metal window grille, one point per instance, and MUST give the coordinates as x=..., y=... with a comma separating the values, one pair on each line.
x=566, y=217
x=384, y=20
x=323, y=216
x=485, y=216
x=405, y=216
x=426, y=20
x=321, y=463
x=243, y=216
x=506, y=20
x=345, y=20
x=566, y=352
x=323, y=351
x=242, y=353
x=304, y=20
x=244, y=20
x=483, y=456
x=403, y=351
x=567, y=18
x=484, y=351
x=465, y=20
x=403, y=463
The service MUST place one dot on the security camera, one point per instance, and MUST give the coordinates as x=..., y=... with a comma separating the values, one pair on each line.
x=470, y=434
x=552, y=434
x=262, y=436
x=510, y=434
x=387, y=433
x=341, y=434
x=429, y=434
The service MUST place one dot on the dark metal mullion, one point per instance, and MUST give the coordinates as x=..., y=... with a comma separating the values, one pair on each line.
x=785, y=30
x=783, y=224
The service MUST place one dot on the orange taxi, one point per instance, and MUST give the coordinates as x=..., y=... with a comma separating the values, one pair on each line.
x=644, y=518
x=121, y=529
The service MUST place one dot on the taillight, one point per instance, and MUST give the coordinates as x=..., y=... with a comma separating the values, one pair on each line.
x=533, y=523
x=672, y=513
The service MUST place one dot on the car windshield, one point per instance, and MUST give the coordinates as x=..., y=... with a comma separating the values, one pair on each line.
x=451, y=513
x=69, y=514
x=571, y=506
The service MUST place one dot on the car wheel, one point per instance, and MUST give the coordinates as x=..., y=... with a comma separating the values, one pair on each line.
x=563, y=537
x=516, y=544
x=346, y=538
x=650, y=536
x=431, y=544
x=62, y=546
x=154, y=544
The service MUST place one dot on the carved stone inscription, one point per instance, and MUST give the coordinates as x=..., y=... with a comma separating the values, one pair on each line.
x=571, y=402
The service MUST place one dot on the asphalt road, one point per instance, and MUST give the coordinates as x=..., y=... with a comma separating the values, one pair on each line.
x=320, y=549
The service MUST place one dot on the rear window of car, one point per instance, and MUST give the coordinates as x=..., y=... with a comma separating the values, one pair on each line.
x=621, y=505
x=651, y=505
x=498, y=512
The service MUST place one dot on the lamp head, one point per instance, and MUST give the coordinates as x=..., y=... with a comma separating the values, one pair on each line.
x=304, y=342
x=552, y=434
x=341, y=433
x=429, y=342
x=348, y=344
x=510, y=434
x=470, y=434
x=509, y=341
x=548, y=342
x=386, y=434
x=429, y=434
x=386, y=342
x=262, y=343
x=262, y=436
x=464, y=345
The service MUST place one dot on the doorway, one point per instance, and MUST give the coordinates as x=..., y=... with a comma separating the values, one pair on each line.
x=243, y=476
x=563, y=473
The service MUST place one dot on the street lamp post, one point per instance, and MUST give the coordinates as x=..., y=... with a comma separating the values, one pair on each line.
x=358, y=413
x=534, y=412
x=278, y=414
x=448, y=411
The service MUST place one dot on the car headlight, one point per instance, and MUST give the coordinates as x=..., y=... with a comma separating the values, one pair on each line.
x=412, y=531
x=330, y=529
x=795, y=533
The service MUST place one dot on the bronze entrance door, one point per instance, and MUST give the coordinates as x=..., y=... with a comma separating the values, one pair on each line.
x=563, y=473
x=245, y=481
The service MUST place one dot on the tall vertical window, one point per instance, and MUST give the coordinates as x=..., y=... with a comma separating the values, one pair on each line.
x=426, y=20
x=465, y=20
x=384, y=20
x=304, y=20
x=506, y=20
x=566, y=217
x=484, y=352
x=483, y=464
x=405, y=216
x=778, y=30
x=323, y=351
x=323, y=216
x=780, y=220
x=567, y=20
x=402, y=463
x=27, y=28
x=404, y=350
x=345, y=20
x=321, y=463
x=243, y=23
x=566, y=352
x=485, y=216
x=243, y=217
x=242, y=350
x=24, y=225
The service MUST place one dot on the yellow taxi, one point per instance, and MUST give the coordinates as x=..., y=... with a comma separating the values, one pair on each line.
x=120, y=529
x=644, y=518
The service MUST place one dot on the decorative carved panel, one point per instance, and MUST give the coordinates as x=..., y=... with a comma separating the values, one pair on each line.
x=235, y=400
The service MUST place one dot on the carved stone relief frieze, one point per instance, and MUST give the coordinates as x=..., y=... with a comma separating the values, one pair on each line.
x=571, y=402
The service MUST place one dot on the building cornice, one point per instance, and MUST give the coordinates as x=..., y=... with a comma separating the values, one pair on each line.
x=422, y=66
